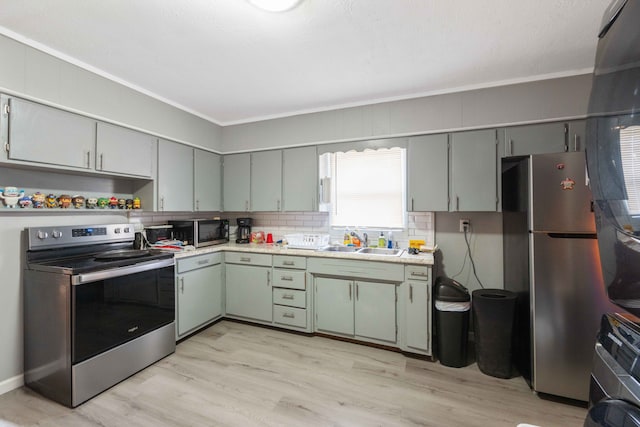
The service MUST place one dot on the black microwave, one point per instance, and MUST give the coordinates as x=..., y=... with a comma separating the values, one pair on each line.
x=201, y=232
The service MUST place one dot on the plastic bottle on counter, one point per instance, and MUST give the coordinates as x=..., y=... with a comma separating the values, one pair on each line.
x=390, y=241
x=381, y=242
x=347, y=237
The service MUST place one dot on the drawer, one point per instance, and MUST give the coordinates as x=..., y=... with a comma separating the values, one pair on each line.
x=417, y=272
x=198, y=261
x=247, y=258
x=290, y=316
x=286, y=261
x=292, y=279
x=290, y=297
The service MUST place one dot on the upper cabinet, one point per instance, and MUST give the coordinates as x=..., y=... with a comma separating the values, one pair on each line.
x=300, y=179
x=544, y=138
x=46, y=135
x=266, y=181
x=125, y=151
x=207, y=181
x=236, y=182
x=428, y=173
x=474, y=171
x=175, y=176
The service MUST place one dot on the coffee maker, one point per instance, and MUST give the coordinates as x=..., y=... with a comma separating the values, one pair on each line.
x=244, y=230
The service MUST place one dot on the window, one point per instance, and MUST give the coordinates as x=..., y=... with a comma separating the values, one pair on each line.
x=630, y=154
x=365, y=188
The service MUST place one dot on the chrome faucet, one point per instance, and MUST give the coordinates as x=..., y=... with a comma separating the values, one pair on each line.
x=364, y=240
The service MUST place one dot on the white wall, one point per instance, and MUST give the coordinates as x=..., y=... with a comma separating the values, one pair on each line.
x=547, y=100
x=28, y=72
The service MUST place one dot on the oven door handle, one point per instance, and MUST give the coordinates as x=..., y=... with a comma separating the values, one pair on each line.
x=121, y=271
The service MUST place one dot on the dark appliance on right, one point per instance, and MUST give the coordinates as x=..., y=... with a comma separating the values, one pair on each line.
x=613, y=155
x=243, y=234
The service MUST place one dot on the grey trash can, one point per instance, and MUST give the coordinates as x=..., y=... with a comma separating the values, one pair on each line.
x=493, y=318
x=452, y=304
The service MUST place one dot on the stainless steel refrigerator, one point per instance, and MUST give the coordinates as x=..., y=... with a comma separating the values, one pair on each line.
x=551, y=261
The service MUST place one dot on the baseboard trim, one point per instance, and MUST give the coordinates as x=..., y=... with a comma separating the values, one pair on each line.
x=11, y=384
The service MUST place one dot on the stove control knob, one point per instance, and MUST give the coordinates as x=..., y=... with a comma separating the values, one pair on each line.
x=126, y=229
x=42, y=235
x=56, y=234
x=117, y=231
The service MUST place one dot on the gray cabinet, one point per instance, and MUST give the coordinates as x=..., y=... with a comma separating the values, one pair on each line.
x=266, y=181
x=428, y=173
x=535, y=139
x=334, y=305
x=46, y=135
x=248, y=286
x=199, y=292
x=356, y=308
x=473, y=174
x=576, y=132
x=290, y=296
x=207, y=181
x=236, y=182
x=300, y=179
x=415, y=308
x=175, y=176
x=124, y=151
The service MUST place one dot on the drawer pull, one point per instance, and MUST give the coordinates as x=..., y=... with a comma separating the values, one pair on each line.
x=203, y=262
x=288, y=296
x=288, y=263
x=416, y=273
x=245, y=259
x=286, y=278
x=289, y=315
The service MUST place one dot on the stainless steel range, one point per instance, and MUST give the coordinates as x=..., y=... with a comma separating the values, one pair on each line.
x=96, y=310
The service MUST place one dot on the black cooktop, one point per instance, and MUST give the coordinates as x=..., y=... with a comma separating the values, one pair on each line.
x=80, y=262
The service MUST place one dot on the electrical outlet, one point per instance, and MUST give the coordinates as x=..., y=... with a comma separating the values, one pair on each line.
x=465, y=225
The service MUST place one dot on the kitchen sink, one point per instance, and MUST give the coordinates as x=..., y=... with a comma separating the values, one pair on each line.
x=381, y=251
x=337, y=248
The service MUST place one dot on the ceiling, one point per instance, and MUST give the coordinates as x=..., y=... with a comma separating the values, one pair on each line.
x=229, y=62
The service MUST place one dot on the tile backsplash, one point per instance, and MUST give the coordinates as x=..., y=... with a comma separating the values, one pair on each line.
x=420, y=225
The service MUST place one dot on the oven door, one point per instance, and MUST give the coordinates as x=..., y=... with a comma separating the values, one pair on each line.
x=114, y=306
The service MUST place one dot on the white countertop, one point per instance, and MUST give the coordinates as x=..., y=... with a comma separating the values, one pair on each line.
x=273, y=249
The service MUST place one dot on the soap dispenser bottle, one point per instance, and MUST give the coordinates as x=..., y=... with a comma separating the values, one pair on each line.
x=381, y=242
x=390, y=241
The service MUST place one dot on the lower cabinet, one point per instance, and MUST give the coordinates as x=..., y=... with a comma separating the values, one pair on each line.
x=355, y=308
x=199, y=292
x=414, y=308
x=249, y=292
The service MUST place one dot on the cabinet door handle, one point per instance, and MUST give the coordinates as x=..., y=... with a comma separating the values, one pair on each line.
x=350, y=284
x=288, y=263
x=575, y=142
x=245, y=259
x=101, y=158
x=278, y=204
x=411, y=294
x=268, y=278
x=412, y=205
x=197, y=205
x=286, y=278
x=88, y=159
x=511, y=147
x=357, y=292
x=161, y=203
x=182, y=285
x=246, y=205
x=203, y=262
x=457, y=203
x=289, y=315
x=288, y=296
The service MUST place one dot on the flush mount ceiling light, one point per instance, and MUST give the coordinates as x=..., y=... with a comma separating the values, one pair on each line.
x=275, y=5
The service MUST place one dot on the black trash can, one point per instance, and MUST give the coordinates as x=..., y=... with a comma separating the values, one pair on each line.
x=452, y=302
x=493, y=318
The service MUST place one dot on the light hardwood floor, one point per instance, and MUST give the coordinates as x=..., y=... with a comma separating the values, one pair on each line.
x=234, y=374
